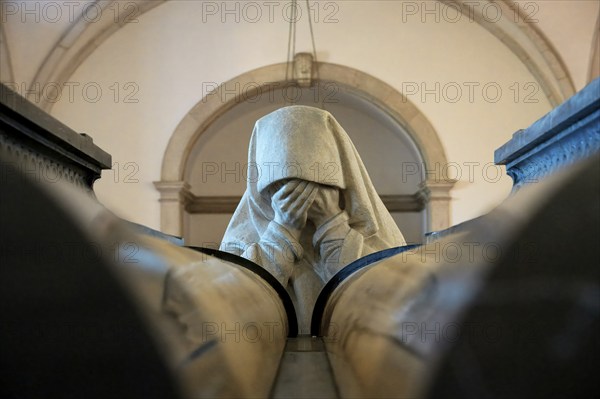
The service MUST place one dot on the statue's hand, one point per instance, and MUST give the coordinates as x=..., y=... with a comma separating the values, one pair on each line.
x=325, y=206
x=291, y=203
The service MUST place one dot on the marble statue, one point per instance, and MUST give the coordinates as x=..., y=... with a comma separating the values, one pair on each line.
x=309, y=208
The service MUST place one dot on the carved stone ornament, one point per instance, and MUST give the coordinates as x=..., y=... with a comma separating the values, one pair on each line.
x=303, y=63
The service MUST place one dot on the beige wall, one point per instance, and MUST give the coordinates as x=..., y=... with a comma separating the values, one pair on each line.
x=153, y=71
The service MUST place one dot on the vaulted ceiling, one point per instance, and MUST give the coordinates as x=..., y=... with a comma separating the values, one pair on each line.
x=46, y=41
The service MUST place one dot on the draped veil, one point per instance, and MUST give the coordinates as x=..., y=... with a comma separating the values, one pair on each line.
x=308, y=143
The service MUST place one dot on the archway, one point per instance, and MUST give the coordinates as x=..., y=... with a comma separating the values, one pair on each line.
x=175, y=194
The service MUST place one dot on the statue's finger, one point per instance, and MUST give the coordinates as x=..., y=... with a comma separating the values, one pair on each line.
x=289, y=188
x=274, y=187
x=303, y=191
x=282, y=204
x=310, y=199
x=285, y=190
x=306, y=197
x=297, y=190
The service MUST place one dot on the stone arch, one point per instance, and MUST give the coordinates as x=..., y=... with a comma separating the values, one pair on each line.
x=81, y=38
x=174, y=190
x=6, y=73
x=516, y=29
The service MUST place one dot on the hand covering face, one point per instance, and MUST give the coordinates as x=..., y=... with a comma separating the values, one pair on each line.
x=308, y=144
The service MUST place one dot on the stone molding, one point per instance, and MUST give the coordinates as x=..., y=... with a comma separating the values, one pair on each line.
x=44, y=148
x=227, y=204
x=566, y=134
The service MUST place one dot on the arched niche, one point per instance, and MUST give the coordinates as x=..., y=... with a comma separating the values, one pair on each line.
x=234, y=104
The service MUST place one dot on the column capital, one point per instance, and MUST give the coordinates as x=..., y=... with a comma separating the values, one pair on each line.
x=437, y=189
x=436, y=194
x=174, y=191
x=174, y=195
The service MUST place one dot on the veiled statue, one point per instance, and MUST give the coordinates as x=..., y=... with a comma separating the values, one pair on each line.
x=309, y=208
